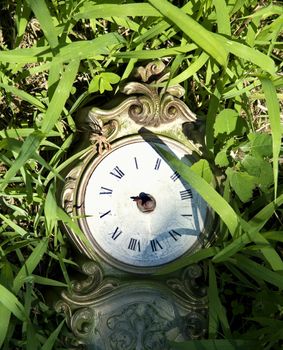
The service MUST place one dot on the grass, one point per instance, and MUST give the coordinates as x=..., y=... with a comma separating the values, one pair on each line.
x=57, y=57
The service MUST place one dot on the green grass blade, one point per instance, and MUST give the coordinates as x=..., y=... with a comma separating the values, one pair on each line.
x=194, y=258
x=238, y=244
x=252, y=235
x=151, y=54
x=60, y=96
x=274, y=118
x=191, y=70
x=217, y=344
x=131, y=64
x=260, y=219
x=248, y=53
x=24, y=56
x=208, y=193
x=55, y=70
x=258, y=272
x=50, y=209
x=88, y=49
x=274, y=235
x=211, y=117
x=48, y=345
x=222, y=15
x=116, y=10
x=30, y=145
x=65, y=164
x=66, y=219
x=270, y=254
x=267, y=11
x=22, y=17
x=48, y=281
x=4, y=324
x=152, y=32
x=10, y=301
x=213, y=299
x=22, y=133
x=202, y=37
x=84, y=49
x=216, y=309
x=41, y=11
x=30, y=264
x=23, y=95
x=18, y=229
x=32, y=340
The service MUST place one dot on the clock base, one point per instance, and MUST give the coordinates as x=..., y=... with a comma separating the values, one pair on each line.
x=105, y=314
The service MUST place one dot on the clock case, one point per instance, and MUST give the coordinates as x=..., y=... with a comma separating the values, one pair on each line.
x=111, y=305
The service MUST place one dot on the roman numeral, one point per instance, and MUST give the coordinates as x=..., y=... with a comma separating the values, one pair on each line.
x=175, y=176
x=105, y=190
x=186, y=194
x=174, y=234
x=101, y=215
x=157, y=164
x=136, y=163
x=117, y=172
x=116, y=233
x=155, y=245
x=134, y=244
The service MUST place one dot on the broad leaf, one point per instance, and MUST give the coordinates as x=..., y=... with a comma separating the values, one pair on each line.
x=226, y=122
x=237, y=179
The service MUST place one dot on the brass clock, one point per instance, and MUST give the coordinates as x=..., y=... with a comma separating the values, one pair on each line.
x=137, y=215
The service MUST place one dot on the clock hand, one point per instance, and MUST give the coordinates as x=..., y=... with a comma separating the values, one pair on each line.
x=145, y=202
x=143, y=197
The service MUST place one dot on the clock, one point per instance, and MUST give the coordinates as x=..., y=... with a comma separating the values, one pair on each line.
x=132, y=215
x=136, y=211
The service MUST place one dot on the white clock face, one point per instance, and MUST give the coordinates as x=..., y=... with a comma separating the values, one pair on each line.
x=138, y=210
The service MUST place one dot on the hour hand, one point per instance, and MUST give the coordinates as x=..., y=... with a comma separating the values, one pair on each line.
x=143, y=197
x=145, y=202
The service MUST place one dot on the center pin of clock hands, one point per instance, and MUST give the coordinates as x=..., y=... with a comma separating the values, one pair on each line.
x=145, y=202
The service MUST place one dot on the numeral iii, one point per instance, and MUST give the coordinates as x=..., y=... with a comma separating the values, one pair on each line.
x=186, y=194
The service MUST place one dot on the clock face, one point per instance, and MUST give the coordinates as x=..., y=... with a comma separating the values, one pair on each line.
x=138, y=211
